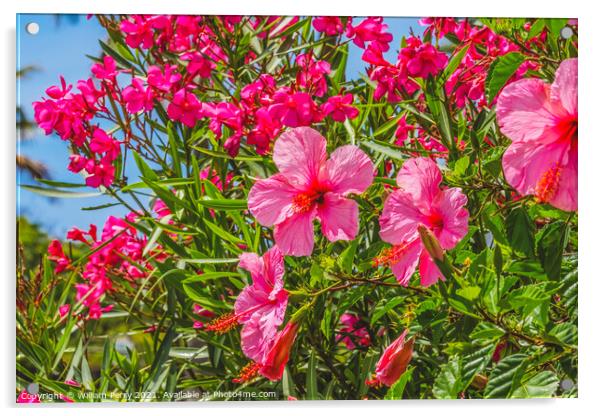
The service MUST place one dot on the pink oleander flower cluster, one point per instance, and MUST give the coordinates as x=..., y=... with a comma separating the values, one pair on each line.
x=354, y=332
x=70, y=114
x=258, y=114
x=467, y=82
x=263, y=107
x=118, y=257
x=416, y=60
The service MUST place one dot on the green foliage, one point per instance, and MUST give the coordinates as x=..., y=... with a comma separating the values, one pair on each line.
x=502, y=325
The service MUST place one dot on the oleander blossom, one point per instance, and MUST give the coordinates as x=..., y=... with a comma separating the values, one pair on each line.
x=310, y=186
x=260, y=307
x=541, y=120
x=353, y=331
x=420, y=201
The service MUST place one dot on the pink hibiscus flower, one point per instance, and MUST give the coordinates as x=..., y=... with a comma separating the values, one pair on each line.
x=420, y=201
x=310, y=186
x=260, y=307
x=541, y=120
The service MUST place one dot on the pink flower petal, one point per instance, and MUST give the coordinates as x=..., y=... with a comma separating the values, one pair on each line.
x=564, y=88
x=295, y=235
x=270, y=200
x=339, y=217
x=274, y=268
x=523, y=111
x=406, y=265
x=252, y=263
x=252, y=299
x=429, y=272
x=400, y=218
x=525, y=163
x=566, y=195
x=450, y=203
x=256, y=340
x=349, y=170
x=421, y=178
x=299, y=154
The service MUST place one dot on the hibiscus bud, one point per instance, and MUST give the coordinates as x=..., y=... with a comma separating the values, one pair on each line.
x=394, y=361
x=278, y=355
x=431, y=243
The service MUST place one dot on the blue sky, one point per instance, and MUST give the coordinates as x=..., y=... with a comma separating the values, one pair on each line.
x=60, y=48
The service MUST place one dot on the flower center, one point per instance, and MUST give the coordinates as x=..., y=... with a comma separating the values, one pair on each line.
x=304, y=202
x=391, y=255
x=547, y=186
x=568, y=127
x=435, y=222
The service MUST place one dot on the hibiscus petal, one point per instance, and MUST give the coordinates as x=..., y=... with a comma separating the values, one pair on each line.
x=339, y=217
x=299, y=154
x=523, y=111
x=256, y=340
x=525, y=163
x=349, y=170
x=270, y=200
x=295, y=235
x=252, y=263
x=450, y=204
x=249, y=302
x=400, y=218
x=406, y=265
x=420, y=177
x=566, y=196
x=564, y=88
x=274, y=268
x=429, y=272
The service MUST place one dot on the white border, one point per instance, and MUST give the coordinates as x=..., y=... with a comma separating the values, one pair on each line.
x=590, y=279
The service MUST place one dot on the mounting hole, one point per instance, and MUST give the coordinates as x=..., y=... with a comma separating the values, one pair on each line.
x=567, y=384
x=566, y=32
x=32, y=28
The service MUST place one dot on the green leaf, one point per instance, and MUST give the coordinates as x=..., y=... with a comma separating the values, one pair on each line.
x=469, y=292
x=475, y=363
x=384, y=148
x=461, y=165
x=448, y=383
x=144, y=168
x=194, y=290
x=453, y=63
x=486, y=331
x=58, y=184
x=222, y=233
x=564, y=333
x=224, y=204
x=540, y=385
x=86, y=374
x=500, y=72
x=505, y=376
x=311, y=381
x=519, y=230
x=395, y=392
x=59, y=193
x=382, y=308
x=347, y=256
x=551, y=242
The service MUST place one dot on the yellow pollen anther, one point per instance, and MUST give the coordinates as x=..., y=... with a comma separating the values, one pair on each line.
x=547, y=186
